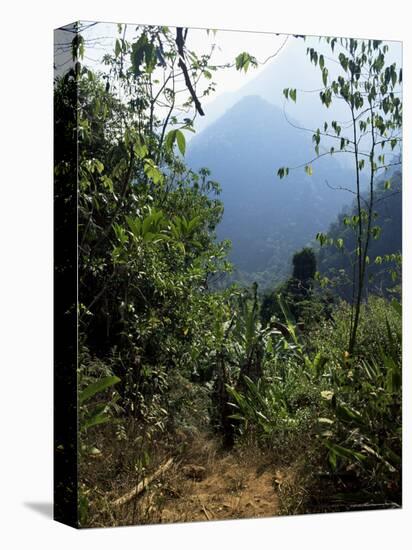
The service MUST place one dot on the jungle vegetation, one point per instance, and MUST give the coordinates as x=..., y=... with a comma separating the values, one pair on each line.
x=306, y=371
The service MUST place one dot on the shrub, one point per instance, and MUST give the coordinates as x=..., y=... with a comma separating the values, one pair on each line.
x=331, y=336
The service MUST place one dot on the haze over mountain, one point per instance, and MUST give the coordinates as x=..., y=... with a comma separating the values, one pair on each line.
x=267, y=219
x=291, y=68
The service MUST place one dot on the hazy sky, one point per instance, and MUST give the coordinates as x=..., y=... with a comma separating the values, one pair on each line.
x=228, y=44
x=290, y=67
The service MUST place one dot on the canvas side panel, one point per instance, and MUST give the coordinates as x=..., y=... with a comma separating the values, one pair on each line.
x=65, y=276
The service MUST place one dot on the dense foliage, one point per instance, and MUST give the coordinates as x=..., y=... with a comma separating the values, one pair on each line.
x=163, y=350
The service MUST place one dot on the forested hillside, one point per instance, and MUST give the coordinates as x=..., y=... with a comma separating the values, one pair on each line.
x=243, y=151
x=199, y=398
x=386, y=247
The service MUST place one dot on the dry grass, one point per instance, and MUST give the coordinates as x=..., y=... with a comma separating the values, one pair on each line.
x=204, y=483
x=234, y=485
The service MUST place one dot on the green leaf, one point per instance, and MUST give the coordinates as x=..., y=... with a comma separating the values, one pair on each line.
x=292, y=93
x=181, y=141
x=376, y=232
x=282, y=172
x=325, y=76
x=343, y=452
x=140, y=149
x=99, y=166
x=346, y=414
x=117, y=48
x=170, y=139
x=332, y=459
x=137, y=54
x=97, y=387
x=344, y=61
x=152, y=171
x=309, y=170
x=321, y=62
x=244, y=60
x=95, y=420
x=394, y=76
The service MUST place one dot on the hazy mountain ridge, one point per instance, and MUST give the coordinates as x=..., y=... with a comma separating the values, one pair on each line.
x=266, y=218
x=291, y=68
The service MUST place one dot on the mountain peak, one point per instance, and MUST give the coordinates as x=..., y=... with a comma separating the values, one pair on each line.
x=266, y=220
x=252, y=103
x=253, y=99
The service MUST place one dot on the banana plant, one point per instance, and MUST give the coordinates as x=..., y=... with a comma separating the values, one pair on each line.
x=251, y=337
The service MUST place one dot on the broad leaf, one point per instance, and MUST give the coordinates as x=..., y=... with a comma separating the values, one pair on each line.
x=97, y=387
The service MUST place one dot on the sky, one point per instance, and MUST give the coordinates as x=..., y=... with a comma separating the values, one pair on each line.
x=282, y=58
x=228, y=44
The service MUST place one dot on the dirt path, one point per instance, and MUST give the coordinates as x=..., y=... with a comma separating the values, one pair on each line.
x=227, y=487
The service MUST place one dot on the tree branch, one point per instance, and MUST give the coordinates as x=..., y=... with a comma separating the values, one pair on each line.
x=180, y=42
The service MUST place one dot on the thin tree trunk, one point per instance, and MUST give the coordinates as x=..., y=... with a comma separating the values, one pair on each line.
x=356, y=307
